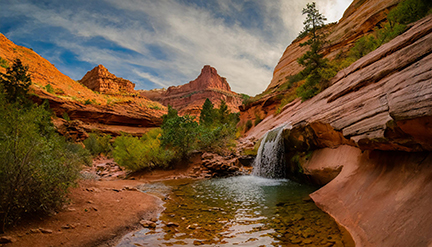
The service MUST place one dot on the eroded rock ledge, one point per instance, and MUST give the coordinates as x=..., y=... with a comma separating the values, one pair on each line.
x=374, y=125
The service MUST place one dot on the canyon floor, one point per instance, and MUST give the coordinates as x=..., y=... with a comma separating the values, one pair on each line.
x=100, y=210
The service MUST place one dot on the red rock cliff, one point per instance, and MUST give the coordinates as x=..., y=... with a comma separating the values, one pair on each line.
x=101, y=80
x=374, y=122
x=189, y=98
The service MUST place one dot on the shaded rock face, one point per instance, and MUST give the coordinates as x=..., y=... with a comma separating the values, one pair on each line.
x=101, y=80
x=371, y=136
x=189, y=98
x=381, y=197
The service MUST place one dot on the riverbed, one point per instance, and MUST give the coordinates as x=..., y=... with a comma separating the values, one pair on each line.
x=237, y=211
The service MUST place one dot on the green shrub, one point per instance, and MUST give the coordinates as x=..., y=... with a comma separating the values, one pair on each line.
x=87, y=102
x=66, y=116
x=49, y=88
x=37, y=165
x=98, y=144
x=137, y=154
x=248, y=125
x=409, y=11
x=4, y=63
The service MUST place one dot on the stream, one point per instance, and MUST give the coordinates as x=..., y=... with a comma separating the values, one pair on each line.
x=237, y=211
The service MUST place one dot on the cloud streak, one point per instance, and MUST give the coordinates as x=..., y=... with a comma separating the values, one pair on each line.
x=165, y=42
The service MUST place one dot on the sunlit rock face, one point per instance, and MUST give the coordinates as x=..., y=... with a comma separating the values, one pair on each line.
x=189, y=98
x=101, y=80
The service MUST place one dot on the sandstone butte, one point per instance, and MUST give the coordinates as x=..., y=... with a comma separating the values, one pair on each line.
x=189, y=98
x=125, y=111
x=374, y=125
x=101, y=80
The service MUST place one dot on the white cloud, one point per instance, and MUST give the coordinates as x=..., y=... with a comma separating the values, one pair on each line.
x=188, y=35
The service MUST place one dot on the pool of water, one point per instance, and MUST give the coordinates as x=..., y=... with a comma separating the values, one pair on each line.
x=237, y=211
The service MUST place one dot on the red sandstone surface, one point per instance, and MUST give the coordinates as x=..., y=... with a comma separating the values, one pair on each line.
x=189, y=98
x=101, y=80
x=374, y=125
x=123, y=111
x=359, y=19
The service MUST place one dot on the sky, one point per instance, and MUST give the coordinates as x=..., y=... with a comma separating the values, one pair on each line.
x=162, y=43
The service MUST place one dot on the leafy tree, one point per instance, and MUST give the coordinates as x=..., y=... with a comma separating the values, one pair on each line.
x=144, y=153
x=16, y=83
x=172, y=113
x=208, y=113
x=180, y=134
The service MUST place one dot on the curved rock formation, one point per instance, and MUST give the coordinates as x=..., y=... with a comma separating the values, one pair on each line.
x=374, y=124
x=189, y=98
x=101, y=80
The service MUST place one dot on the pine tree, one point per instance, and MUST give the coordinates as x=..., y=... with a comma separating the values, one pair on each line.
x=223, y=112
x=16, y=83
x=312, y=60
x=207, y=116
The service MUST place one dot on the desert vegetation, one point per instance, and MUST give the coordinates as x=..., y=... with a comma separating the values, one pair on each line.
x=176, y=140
x=38, y=165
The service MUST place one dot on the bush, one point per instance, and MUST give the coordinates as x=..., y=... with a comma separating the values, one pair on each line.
x=4, y=63
x=248, y=125
x=38, y=166
x=98, y=144
x=137, y=154
x=49, y=88
x=409, y=11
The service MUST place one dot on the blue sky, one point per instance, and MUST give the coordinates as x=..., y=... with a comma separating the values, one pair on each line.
x=161, y=43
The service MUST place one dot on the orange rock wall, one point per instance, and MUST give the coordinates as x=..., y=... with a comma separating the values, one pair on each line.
x=101, y=80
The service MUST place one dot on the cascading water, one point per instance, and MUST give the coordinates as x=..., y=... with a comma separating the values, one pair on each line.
x=270, y=161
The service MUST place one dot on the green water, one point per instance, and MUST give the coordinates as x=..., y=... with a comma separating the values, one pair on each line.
x=238, y=211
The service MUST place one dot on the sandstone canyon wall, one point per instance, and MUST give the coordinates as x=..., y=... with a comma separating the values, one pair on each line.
x=189, y=98
x=374, y=123
x=361, y=17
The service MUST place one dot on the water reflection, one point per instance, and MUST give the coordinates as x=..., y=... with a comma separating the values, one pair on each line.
x=244, y=211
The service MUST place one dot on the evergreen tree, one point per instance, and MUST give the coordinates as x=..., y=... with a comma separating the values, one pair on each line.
x=312, y=60
x=16, y=83
x=207, y=116
x=223, y=112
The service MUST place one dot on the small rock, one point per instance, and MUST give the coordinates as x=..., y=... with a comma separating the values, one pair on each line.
x=169, y=224
x=46, y=231
x=192, y=227
x=34, y=231
x=7, y=239
x=148, y=224
x=90, y=202
x=154, y=219
x=94, y=208
x=70, y=209
x=116, y=190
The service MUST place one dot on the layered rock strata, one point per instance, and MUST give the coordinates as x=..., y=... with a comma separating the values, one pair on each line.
x=359, y=19
x=101, y=80
x=189, y=98
x=373, y=124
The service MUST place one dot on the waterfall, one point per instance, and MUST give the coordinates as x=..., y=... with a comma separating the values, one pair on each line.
x=270, y=160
